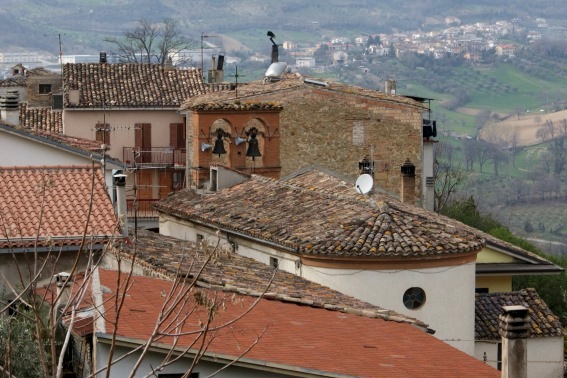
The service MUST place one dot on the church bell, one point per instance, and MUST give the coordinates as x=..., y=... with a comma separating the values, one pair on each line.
x=253, y=145
x=219, y=143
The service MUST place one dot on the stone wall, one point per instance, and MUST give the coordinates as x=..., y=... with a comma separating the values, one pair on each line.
x=336, y=130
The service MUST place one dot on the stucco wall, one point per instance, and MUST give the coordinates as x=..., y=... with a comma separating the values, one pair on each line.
x=82, y=123
x=545, y=356
x=153, y=359
x=449, y=306
x=495, y=284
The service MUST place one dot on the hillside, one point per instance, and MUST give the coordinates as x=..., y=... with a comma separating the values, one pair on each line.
x=33, y=23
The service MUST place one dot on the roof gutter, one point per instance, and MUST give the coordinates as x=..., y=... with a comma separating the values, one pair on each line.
x=221, y=358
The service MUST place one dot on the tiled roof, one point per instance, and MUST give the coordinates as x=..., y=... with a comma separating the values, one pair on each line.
x=52, y=204
x=41, y=118
x=131, y=85
x=230, y=272
x=236, y=105
x=293, y=82
x=18, y=81
x=543, y=323
x=297, y=338
x=87, y=147
x=327, y=221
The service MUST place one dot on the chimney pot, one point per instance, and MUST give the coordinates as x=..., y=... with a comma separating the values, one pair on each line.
x=407, y=192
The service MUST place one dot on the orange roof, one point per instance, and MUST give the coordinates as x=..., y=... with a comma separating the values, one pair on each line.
x=52, y=204
x=299, y=338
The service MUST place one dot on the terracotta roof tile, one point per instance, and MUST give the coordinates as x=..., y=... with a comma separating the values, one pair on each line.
x=86, y=145
x=327, y=221
x=132, y=85
x=297, y=337
x=52, y=203
x=488, y=306
x=293, y=82
x=45, y=119
x=167, y=256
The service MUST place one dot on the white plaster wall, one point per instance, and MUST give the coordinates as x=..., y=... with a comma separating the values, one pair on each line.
x=545, y=356
x=449, y=307
x=204, y=368
x=82, y=123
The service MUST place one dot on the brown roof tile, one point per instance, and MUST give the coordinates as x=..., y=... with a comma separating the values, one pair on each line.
x=328, y=221
x=488, y=306
x=166, y=256
x=52, y=204
x=45, y=119
x=293, y=82
x=132, y=85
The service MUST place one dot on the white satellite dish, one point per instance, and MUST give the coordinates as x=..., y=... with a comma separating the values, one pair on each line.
x=364, y=183
x=276, y=70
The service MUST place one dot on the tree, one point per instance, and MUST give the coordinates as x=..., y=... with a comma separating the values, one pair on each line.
x=150, y=42
x=448, y=177
x=36, y=336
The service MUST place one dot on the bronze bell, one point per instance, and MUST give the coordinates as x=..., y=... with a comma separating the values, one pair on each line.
x=219, y=143
x=253, y=146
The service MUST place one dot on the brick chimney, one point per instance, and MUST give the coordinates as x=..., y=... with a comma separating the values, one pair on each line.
x=407, y=192
x=514, y=329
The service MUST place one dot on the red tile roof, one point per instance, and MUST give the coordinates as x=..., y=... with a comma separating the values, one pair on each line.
x=326, y=221
x=132, y=85
x=166, y=257
x=295, y=337
x=52, y=204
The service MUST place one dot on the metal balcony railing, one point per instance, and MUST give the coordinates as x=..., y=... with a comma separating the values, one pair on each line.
x=155, y=156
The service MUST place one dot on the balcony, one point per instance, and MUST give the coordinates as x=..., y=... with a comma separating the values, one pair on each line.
x=158, y=157
x=145, y=209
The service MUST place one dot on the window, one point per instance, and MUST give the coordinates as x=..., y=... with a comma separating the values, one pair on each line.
x=274, y=262
x=102, y=133
x=177, y=135
x=481, y=290
x=414, y=298
x=44, y=88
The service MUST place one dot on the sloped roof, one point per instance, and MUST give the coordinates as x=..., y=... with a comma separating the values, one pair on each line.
x=85, y=147
x=132, y=85
x=52, y=205
x=41, y=118
x=330, y=222
x=543, y=323
x=292, y=82
x=168, y=257
x=291, y=337
x=17, y=81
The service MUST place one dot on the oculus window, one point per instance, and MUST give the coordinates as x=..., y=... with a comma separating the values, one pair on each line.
x=414, y=298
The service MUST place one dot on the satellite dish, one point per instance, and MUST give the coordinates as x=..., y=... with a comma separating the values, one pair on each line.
x=276, y=70
x=364, y=183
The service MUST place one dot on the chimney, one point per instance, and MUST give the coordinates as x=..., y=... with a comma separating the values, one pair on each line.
x=102, y=57
x=63, y=284
x=220, y=62
x=407, y=192
x=121, y=207
x=514, y=329
x=9, y=109
x=390, y=86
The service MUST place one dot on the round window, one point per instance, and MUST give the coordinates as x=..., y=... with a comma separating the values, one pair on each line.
x=414, y=298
